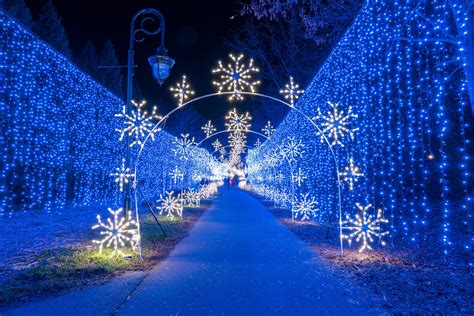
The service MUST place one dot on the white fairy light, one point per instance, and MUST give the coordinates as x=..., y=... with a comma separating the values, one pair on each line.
x=122, y=175
x=335, y=124
x=351, y=174
x=117, y=232
x=293, y=149
x=365, y=227
x=268, y=130
x=182, y=91
x=183, y=146
x=235, y=121
x=236, y=78
x=176, y=175
x=138, y=124
x=208, y=129
x=291, y=91
x=305, y=207
x=170, y=205
x=299, y=177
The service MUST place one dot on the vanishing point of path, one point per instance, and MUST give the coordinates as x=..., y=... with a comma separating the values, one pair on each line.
x=237, y=260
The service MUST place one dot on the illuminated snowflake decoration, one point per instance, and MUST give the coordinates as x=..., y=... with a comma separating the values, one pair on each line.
x=122, y=175
x=336, y=124
x=291, y=92
x=299, y=177
x=217, y=145
x=236, y=78
x=191, y=198
x=176, y=175
x=365, y=228
x=305, y=207
x=257, y=144
x=117, y=233
x=182, y=91
x=208, y=129
x=274, y=158
x=268, y=129
x=351, y=174
x=293, y=149
x=170, y=205
x=237, y=139
x=235, y=121
x=138, y=124
x=183, y=146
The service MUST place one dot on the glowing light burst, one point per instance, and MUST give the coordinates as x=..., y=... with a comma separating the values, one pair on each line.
x=365, y=227
x=293, y=149
x=299, y=177
x=138, y=124
x=208, y=129
x=291, y=91
x=117, y=232
x=183, y=146
x=170, y=205
x=182, y=91
x=305, y=206
x=235, y=121
x=236, y=78
x=268, y=129
x=336, y=124
x=176, y=175
x=351, y=174
x=122, y=175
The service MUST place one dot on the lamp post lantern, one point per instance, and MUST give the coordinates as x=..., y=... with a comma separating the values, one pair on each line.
x=160, y=63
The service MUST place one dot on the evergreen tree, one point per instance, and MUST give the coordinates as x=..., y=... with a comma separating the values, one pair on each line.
x=111, y=78
x=19, y=10
x=50, y=28
x=88, y=60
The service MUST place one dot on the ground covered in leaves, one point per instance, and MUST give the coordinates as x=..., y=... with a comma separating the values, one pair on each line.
x=404, y=281
x=78, y=263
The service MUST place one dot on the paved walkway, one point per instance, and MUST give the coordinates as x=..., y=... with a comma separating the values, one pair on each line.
x=237, y=260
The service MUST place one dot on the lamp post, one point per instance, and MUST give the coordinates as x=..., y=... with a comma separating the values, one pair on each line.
x=160, y=63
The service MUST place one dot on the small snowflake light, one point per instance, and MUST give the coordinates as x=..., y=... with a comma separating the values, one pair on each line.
x=170, y=205
x=117, y=232
x=182, y=91
x=258, y=144
x=217, y=144
x=268, y=130
x=183, y=146
x=122, y=175
x=176, y=175
x=191, y=198
x=293, y=149
x=237, y=139
x=235, y=121
x=336, y=124
x=364, y=228
x=291, y=92
x=305, y=207
x=138, y=124
x=299, y=177
x=208, y=129
x=351, y=174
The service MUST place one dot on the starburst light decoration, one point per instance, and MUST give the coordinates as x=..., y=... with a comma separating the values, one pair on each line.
x=299, y=177
x=268, y=129
x=183, y=146
x=291, y=92
x=236, y=78
x=305, y=207
x=182, y=91
x=235, y=121
x=122, y=175
x=364, y=227
x=117, y=233
x=138, y=124
x=208, y=129
x=293, y=149
x=336, y=124
x=170, y=205
x=176, y=175
x=351, y=174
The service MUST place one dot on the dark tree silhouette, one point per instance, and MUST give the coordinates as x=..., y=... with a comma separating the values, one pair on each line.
x=49, y=27
x=111, y=78
x=88, y=60
x=19, y=10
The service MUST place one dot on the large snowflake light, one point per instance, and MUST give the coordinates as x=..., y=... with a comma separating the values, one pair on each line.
x=122, y=175
x=336, y=124
x=170, y=205
x=305, y=207
x=182, y=91
x=191, y=198
x=235, y=121
x=293, y=149
x=268, y=129
x=183, y=146
x=236, y=78
x=208, y=129
x=117, y=232
x=351, y=174
x=138, y=124
x=364, y=228
x=291, y=91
